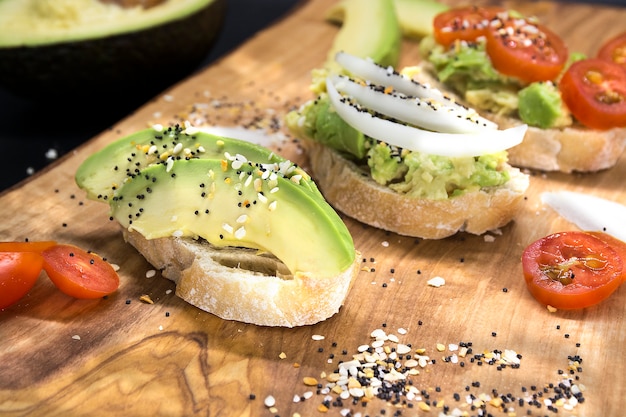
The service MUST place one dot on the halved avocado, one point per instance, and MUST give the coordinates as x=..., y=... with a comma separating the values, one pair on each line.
x=78, y=48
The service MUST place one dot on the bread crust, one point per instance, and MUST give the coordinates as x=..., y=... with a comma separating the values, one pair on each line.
x=352, y=191
x=570, y=149
x=240, y=284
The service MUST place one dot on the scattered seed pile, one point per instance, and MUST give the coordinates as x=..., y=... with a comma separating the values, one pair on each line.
x=381, y=379
x=264, y=114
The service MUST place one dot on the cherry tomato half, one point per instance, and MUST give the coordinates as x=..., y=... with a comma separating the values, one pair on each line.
x=525, y=50
x=614, y=50
x=79, y=273
x=595, y=92
x=36, y=246
x=18, y=273
x=463, y=23
x=571, y=270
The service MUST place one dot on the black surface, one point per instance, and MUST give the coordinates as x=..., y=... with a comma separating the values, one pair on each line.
x=33, y=135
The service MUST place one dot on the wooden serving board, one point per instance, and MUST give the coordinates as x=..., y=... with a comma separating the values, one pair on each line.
x=120, y=356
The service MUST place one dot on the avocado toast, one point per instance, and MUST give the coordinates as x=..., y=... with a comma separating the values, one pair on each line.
x=399, y=155
x=514, y=70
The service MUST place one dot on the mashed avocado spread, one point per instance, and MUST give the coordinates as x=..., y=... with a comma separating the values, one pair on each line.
x=467, y=69
x=412, y=173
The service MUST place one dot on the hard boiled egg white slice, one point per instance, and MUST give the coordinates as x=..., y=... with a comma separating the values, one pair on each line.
x=420, y=140
x=426, y=113
x=367, y=69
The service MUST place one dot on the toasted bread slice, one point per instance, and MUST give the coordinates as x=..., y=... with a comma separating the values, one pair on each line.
x=351, y=190
x=243, y=285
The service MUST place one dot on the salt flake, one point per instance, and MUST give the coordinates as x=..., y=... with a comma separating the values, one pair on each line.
x=436, y=282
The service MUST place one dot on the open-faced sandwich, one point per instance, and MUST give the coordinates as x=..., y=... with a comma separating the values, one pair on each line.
x=401, y=156
x=395, y=153
x=244, y=233
x=514, y=70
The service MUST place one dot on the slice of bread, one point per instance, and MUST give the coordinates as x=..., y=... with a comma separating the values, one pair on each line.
x=571, y=149
x=351, y=190
x=243, y=285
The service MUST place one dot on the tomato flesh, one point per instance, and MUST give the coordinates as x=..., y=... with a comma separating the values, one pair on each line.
x=595, y=92
x=18, y=273
x=571, y=270
x=37, y=246
x=79, y=273
x=618, y=245
x=524, y=50
x=614, y=50
x=463, y=23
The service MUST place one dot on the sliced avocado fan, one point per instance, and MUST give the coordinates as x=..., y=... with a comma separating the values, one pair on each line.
x=238, y=194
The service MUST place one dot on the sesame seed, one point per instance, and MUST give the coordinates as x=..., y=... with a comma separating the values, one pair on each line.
x=240, y=233
x=269, y=401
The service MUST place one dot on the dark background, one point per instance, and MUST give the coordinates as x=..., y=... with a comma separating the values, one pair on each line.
x=32, y=135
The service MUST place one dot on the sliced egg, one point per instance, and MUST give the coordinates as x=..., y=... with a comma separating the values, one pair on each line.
x=368, y=70
x=420, y=140
x=426, y=113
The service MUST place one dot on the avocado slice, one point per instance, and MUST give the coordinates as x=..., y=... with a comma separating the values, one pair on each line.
x=237, y=203
x=415, y=17
x=79, y=48
x=368, y=31
x=103, y=172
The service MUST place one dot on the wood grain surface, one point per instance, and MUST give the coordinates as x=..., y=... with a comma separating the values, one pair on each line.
x=120, y=356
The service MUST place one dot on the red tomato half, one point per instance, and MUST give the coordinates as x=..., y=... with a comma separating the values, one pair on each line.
x=571, y=270
x=525, y=50
x=36, y=246
x=18, y=273
x=463, y=23
x=614, y=50
x=79, y=273
x=595, y=92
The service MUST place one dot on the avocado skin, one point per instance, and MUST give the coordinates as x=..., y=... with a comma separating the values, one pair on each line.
x=145, y=61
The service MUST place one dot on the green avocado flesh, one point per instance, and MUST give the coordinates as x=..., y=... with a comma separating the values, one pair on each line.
x=540, y=105
x=237, y=205
x=105, y=171
x=369, y=30
x=78, y=48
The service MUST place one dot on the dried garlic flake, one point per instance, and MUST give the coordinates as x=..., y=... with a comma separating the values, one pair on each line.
x=436, y=282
